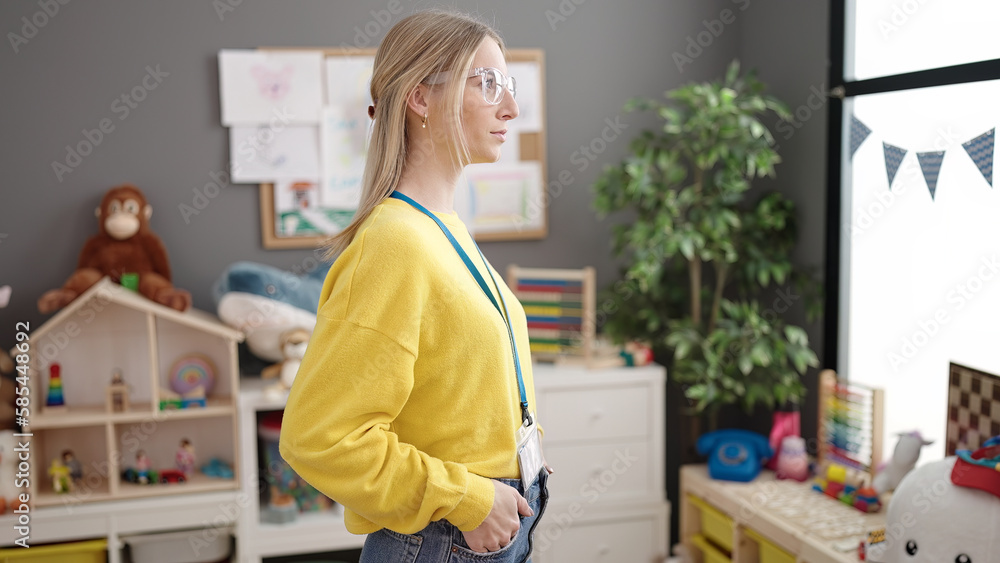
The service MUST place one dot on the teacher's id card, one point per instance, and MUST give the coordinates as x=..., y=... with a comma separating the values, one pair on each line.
x=529, y=452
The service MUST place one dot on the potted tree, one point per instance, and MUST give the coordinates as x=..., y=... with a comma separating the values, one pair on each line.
x=700, y=256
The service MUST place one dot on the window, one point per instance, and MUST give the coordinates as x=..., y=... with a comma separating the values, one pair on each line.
x=914, y=223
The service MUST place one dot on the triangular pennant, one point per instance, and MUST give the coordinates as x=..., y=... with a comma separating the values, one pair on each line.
x=980, y=151
x=930, y=165
x=859, y=132
x=893, y=158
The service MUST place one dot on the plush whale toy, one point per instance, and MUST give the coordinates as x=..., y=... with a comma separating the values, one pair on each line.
x=263, y=302
x=947, y=511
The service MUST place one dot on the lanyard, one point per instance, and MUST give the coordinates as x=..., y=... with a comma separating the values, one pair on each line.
x=482, y=284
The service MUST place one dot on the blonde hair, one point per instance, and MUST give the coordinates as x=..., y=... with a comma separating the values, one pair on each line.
x=417, y=47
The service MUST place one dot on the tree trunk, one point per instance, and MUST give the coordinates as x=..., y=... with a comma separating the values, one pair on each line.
x=694, y=272
x=720, y=283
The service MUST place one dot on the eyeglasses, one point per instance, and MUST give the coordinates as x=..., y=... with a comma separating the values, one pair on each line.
x=494, y=84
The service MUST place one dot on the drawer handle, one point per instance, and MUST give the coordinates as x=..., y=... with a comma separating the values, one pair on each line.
x=598, y=414
x=604, y=549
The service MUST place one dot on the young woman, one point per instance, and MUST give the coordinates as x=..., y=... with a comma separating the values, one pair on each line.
x=414, y=404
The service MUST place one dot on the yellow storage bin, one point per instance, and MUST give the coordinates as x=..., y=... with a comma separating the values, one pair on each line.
x=709, y=553
x=770, y=553
x=93, y=551
x=715, y=525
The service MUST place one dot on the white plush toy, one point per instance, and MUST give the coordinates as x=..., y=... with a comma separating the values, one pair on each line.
x=8, y=471
x=947, y=511
x=293, y=348
x=904, y=459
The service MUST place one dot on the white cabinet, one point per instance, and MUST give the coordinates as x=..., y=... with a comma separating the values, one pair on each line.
x=604, y=436
x=309, y=532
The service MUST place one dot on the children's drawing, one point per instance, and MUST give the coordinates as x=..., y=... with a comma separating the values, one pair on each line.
x=261, y=154
x=273, y=85
x=277, y=89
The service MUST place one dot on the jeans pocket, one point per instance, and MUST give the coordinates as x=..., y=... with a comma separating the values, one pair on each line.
x=386, y=546
x=460, y=553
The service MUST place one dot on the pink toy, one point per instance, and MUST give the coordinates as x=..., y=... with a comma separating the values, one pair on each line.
x=784, y=424
x=794, y=462
x=185, y=458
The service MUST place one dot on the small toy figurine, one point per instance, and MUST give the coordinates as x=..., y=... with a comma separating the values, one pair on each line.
x=142, y=466
x=904, y=459
x=60, y=477
x=185, y=457
x=117, y=400
x=74, y=466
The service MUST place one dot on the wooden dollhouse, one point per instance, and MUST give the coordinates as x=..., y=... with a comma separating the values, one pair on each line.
x=115, y=352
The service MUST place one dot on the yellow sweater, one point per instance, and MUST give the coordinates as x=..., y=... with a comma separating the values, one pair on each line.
x=406, y=402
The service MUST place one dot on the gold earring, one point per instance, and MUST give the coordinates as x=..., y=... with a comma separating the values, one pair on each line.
x=423, y=123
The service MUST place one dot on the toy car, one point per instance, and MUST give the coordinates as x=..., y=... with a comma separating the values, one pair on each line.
x=172, y=476
x=131, y=475
x=217, y=468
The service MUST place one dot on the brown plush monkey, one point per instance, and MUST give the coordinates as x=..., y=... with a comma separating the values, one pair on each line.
x=125, y=244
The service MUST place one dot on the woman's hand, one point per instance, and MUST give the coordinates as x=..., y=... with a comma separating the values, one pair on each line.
x=502, y=523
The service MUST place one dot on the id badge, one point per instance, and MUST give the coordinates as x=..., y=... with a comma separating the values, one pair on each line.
x=529, y=452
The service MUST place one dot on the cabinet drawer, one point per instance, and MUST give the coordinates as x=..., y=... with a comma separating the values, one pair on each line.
x=588, y=473
x=715, y=525
x=620, y=541
x=595, y=412
x=709, y=553
x=767, y=551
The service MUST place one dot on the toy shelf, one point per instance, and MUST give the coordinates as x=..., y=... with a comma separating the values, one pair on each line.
x=160, y=354
x=92, y=415
x=198, y=483
x=95, y=490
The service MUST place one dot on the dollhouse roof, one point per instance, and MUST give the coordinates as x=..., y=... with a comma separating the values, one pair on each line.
x=110, y=292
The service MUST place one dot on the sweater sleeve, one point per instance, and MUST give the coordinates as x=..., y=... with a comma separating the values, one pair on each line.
x=337, y=434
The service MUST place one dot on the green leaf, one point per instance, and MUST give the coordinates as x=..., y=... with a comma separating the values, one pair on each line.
x=687, y=248
x=796, y=335
x=745, y=364
x=681, y=350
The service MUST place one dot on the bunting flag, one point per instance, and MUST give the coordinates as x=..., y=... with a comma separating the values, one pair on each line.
x=859, y=132
x=893, y=158
x=980, y=151
x=930, y=165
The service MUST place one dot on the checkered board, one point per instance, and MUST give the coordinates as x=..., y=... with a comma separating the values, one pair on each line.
x=973, y=408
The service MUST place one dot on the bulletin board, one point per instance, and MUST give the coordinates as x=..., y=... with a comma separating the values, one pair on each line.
x=505, y=200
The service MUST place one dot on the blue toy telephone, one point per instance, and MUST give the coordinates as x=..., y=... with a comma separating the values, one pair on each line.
x=734, y=455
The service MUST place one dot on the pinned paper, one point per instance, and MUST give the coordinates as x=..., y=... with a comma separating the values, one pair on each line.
x=275, y=88
x=980, y=151
x=859, y=132
x=344, y=134
x=262, y=154
x=893, y=158
x=930, y=165
x=504, y=198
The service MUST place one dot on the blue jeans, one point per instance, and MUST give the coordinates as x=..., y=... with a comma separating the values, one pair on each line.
x=441, y=542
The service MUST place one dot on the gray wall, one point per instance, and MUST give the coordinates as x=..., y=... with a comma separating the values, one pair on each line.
x=67, y=77
x=787, y=41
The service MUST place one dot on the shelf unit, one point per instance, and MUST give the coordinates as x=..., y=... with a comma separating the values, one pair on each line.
x=110, y=328
x=119, y=519
x=310, y=532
